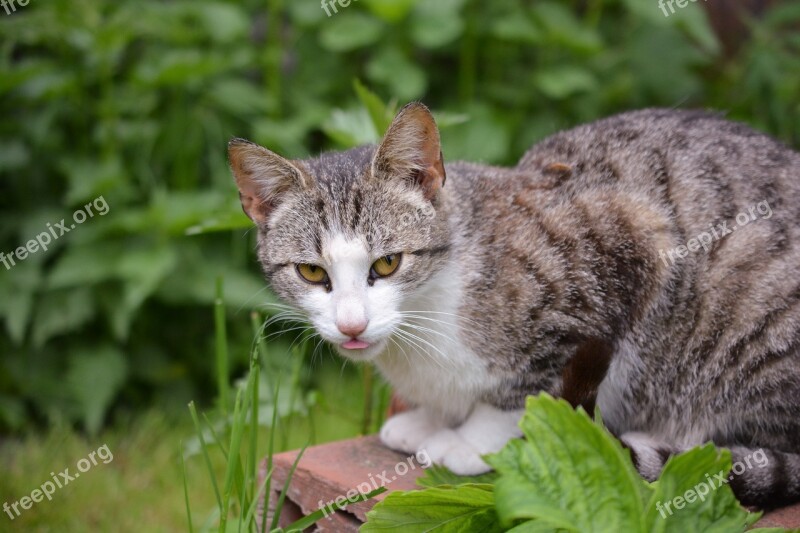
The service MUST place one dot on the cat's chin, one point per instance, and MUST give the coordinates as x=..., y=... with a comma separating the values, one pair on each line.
x=362, y=354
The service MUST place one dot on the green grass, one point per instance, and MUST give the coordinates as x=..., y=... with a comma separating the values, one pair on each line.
x=142, y=488
x=139, y=490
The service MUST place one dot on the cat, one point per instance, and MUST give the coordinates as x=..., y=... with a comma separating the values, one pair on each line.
x=610, y=253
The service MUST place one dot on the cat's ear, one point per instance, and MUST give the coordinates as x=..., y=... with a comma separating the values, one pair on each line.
x=411, y=150
x=262, y=177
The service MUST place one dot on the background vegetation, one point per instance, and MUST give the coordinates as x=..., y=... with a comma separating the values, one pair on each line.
x=135, y=101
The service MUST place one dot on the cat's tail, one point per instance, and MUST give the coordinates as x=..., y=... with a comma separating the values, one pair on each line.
x=760, y=477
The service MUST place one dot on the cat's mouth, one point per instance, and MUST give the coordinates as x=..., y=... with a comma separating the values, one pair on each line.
x=360, y=350
x=355, y=344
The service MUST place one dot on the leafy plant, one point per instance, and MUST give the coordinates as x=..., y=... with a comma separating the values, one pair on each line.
x=568, y=474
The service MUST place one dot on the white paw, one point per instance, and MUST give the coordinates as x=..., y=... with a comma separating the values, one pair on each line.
x=405, y=432
x=488, y=429
x=448, y=448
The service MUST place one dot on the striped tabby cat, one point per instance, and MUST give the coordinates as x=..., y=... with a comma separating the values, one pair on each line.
x=649, y=261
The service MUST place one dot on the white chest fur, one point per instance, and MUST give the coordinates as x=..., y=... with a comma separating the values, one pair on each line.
x=427, y=361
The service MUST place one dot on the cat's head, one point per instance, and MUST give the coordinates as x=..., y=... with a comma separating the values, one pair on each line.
x=349, y=237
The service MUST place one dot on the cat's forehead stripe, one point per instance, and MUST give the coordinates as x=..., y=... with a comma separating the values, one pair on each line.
x=339, y=248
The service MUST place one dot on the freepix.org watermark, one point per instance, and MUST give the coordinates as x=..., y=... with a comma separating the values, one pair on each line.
x=10, y=6
x=662, y=4
x=48, y=488
x=715, y=233
x=383, y=479
x=704, y=488
x=327, y=5
x=97, y=206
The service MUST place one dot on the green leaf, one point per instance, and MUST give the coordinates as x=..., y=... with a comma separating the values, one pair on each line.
x=402, y=76
x=467, y=507
x=380, y=113
x=569, y=473
x=563, y=28
x=351, y=128
x=706, y=504
x=60, y=312
x=350, y=31
x=565, y=81
x=437, y=475
x=19, y=287
x=437, y=23
x=517, y=28
x=94, y=378
x=391, y=10
x=224, y=222
x=224, y=22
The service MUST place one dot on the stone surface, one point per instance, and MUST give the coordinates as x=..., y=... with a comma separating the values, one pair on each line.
x=331, y=470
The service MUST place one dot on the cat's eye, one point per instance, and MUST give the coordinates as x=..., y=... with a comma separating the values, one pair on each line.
x=385, y=266
x=312, y=273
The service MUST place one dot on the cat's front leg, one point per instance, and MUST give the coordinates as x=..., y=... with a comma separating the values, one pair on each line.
x=405, y=432
x=486, y=430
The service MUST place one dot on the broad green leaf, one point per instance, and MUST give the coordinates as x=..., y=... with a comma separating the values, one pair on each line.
x=94, y=378
x=13, y=155
x=59, y=312
x=223, y=21
x=569, y=473
x=437, y=475
x=485, y=137
x=18, y=288
x=707, y=505
x=444, y=510
x=350, y=30
x=226, y=222
x=563, y=28
x=448, y=120
x=436, y=24
x=516, y=28
x=562, y=82
x=380, y=113
x=390, y=10
x=351, y=128
x=393, y=68
x=533, y=526
x=89, y=178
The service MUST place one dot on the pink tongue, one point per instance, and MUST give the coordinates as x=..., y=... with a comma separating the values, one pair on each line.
x=355, y=344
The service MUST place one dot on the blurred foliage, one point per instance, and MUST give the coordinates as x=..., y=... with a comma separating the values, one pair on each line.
x=135, y=101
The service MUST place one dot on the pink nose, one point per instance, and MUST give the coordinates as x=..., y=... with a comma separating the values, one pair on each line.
x=352, y=329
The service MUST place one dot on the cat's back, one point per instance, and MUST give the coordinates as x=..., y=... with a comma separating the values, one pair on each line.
x=692, y=165
x=688, y=151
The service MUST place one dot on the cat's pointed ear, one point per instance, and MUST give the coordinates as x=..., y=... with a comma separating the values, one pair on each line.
x=262, y=177
x=411, y=150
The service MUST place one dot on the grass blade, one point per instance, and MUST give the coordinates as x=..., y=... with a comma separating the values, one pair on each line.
x=186, y=492
x=221, y=352
x=254, y=504
x=207, y=459
x=270, y=453
x=233, y=461
x=252, y=459
x=282, y=498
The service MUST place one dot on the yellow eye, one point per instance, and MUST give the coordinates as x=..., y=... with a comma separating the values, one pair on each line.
x=386, y=265
x=312, y=273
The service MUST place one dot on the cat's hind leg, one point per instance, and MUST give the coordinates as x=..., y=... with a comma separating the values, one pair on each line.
x=760, y=477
